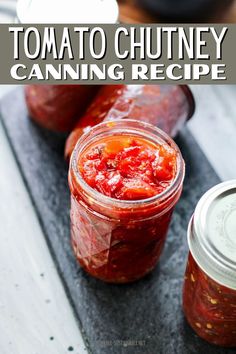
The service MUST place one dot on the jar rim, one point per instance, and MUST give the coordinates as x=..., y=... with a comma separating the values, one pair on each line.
x=144, y=128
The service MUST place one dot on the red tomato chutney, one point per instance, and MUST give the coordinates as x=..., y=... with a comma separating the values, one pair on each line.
x=209, y=292
x=128, y=168
x=125, y=178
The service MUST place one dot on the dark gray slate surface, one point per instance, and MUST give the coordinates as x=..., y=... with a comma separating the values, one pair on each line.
x=149, y=310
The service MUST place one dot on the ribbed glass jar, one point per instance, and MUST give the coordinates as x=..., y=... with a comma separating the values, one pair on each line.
x=115, y=240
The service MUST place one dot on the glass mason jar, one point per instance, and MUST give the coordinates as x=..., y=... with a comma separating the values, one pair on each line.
x=120, y=241
x=209, y=292
x=166, y=106
x=58, y=107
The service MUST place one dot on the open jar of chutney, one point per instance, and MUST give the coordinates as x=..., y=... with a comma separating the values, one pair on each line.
x=209, y=293
x=125, y=179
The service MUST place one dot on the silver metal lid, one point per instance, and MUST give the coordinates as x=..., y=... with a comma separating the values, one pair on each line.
x=69, y=11
x=212, y=233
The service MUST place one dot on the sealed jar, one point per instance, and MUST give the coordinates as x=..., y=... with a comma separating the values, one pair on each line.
x=119, y=216
x=58, y=107
x=209, y=293
x=165, y=106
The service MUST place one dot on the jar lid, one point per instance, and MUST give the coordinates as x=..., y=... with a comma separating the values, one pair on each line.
x=69, y=11
x=212, y=233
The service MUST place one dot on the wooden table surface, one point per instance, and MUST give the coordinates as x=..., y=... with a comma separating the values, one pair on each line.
x=36, y=316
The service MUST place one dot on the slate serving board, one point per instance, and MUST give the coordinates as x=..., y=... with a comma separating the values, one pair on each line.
x=144, y=317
